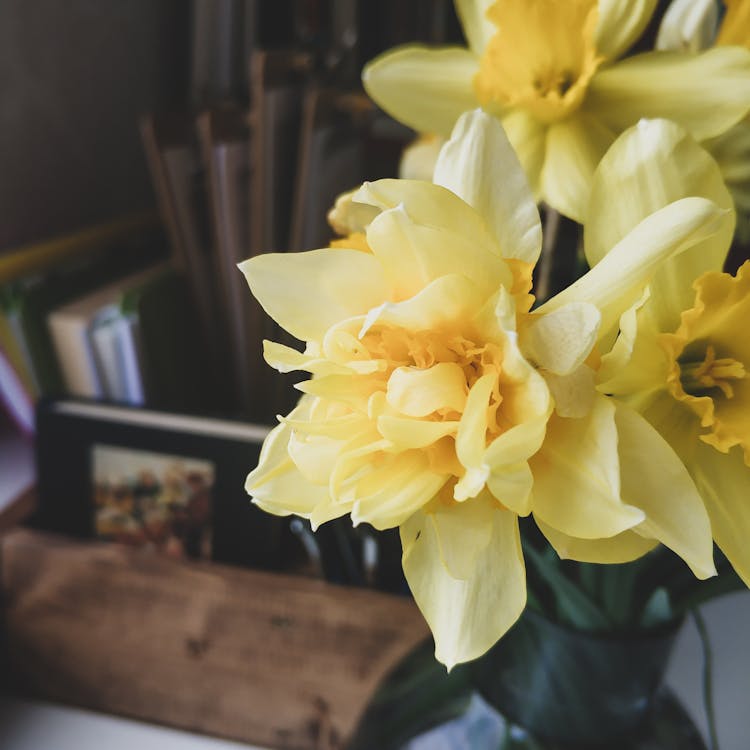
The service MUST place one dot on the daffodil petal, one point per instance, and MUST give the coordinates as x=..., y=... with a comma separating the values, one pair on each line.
x=462, y=535
x=722, y=479
x=656, y=481
x=345, y=389
x=620, y=548
x=574, y=394
x=423, y=88
x=668, y=84
x=426, y=203
x=510, y=479
x=414, y=254
x=417, y=392
x=577, y=477
x=649, y=166
x=618, y=281
x=349, y=216
x=636, y=365
x=466, y=615
x=470, y=440
x=574, y=148
x=407, y=433
x=480, y=166
x=276, y=485
x=620, y=24
x=388, y=495
x=306, y=293
x=528, y=136
x=512, y=487
x=285, y=359
x=688, y=26
x=561, y=340
x=440, y=304
x=478, y=29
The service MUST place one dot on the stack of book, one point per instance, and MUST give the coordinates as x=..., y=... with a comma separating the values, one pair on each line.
x=99, y=314
x=279, y=126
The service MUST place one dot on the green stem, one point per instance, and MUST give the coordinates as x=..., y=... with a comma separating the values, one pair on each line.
x=708, y=700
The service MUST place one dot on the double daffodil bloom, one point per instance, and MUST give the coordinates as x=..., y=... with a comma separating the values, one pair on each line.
x=551, y=71
x=441, y=404
x=683, y=355
x=693, y=25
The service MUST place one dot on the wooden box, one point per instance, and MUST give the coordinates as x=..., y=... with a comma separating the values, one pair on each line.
x=276, y=660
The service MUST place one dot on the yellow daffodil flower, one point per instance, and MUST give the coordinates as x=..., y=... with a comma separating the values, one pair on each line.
x=693, y=25
x=683, y=354
x=442, y=404
x=551, y=71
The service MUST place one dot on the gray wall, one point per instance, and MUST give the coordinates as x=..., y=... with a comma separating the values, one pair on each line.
x=74, y=77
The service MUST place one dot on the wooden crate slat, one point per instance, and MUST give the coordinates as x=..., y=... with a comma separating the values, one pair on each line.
x=271, y=659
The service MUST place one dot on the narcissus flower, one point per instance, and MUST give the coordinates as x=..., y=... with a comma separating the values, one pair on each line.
x=693, y=25
x=442, y=404
x=683, y=355
x=551, y=71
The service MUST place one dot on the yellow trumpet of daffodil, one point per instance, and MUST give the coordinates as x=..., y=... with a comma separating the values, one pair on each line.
x=552, y=72
x=440, y=403
x=683, y=355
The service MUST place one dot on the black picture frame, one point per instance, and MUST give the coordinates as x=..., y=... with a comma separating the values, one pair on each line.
x=67, y=429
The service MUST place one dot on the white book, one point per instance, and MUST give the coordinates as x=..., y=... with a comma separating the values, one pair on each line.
x=73, y=327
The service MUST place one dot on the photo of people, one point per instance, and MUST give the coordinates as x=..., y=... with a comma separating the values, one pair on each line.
x=151, y=500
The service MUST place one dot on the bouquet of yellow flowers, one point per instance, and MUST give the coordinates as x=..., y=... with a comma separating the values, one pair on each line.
x=498, y=425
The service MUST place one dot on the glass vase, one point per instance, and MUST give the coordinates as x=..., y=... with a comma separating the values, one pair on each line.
x=542, y=687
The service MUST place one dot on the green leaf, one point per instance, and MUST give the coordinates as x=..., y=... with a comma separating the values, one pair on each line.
x=575, y=607
x=658, y=609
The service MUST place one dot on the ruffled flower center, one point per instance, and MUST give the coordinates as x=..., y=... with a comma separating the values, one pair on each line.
x=710, y=357
x=541, y=58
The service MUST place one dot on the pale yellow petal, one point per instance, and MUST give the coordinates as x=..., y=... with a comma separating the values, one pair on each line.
x=480, y=166
x=352, y=391
x=561, y=341
x=285, y=359
x=394, y=489
x=723, y=480
x=656, y=481
x=649, y=166
x=528, y=136
x=574, y=148
x=430, y=205
x=466, y=615
x=350, y=217
x=413, y=255
x=620, y=548
x=688, y=26
x=462, y=535
x=620, y=24
x=619, y=280
x=577, y=476
x=637, y=365
x=441, y=305
x=417, y=392
x=419, y=157
x=426, y=89
x=478, y=29
x=510, y=479
x=308, y=292
x=574, y=394
x=706, y=93
x=407, y=433
x=471, y=438
x=276, y=484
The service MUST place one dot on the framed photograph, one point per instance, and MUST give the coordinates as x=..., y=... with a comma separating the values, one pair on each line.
x=168, y=482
